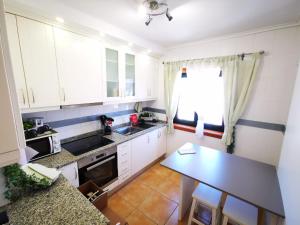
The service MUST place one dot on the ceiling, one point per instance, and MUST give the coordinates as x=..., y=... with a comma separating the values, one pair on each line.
x=193, y=19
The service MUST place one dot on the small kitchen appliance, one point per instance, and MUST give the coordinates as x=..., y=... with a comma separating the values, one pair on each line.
x=107, y=123
x=134, y=119
x=45, y=144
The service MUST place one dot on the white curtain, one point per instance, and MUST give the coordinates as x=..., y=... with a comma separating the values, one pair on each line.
x=172, y=76
x=238, y=76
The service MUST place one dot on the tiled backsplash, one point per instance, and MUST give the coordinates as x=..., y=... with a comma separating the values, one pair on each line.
x=80, y=112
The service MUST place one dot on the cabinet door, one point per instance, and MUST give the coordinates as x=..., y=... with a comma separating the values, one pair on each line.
x=138, y=156
x=70, y=172
x=16, y=59
x=146, y=76
x=129, y=75
x=162, y=142
x=79, y=67
x=38, y=54
x=151, y=146
x=112, y=71
x=152, y=77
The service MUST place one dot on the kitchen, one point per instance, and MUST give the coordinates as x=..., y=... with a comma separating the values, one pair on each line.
x=93, y=101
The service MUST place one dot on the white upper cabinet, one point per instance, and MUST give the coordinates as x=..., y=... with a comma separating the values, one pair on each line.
x=146, y=76
x=38, y=54
x=79, y=60
x=16, y=59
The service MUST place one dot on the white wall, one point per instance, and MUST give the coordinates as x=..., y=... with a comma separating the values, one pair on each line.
x=272, y=91
x=289, y=167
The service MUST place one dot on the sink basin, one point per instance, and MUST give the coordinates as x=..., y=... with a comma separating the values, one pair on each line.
x=128, y=130
x=144, y=126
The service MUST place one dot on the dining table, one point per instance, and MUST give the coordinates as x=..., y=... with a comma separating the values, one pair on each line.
x=248, y=180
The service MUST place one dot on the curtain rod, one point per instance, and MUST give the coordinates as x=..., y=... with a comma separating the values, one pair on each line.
x=241, y=55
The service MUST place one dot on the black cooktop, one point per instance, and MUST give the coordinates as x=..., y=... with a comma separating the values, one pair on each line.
x=86, y=144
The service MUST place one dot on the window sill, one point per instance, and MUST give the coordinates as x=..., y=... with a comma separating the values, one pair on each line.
x=210, y=133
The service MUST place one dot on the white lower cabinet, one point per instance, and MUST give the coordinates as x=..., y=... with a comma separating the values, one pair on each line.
x=124, y=161
x=147, y=148
x=70, y=172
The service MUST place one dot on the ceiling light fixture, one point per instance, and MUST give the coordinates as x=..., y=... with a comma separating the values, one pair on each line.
x=59, y=19
x=155, y=8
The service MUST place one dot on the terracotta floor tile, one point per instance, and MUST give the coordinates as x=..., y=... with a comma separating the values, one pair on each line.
x=161, y=170
x=138, y=218
x=158, y=208
x=175, y=177
x=135, y=193
x=170, y=189
x=151, y=178
x=120, y=205
x=173, y=220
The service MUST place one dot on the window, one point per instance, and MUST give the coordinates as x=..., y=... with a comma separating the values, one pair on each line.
x=201, y=97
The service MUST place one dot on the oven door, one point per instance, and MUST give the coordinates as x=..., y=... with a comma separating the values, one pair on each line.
x=42, y=145
x=102, y=172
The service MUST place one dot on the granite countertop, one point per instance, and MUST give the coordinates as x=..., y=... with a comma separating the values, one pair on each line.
x=60, y=204
x=64, y=157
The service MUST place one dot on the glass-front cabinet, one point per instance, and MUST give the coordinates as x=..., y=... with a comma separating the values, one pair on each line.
x=112, y=73
x=129, y=75
x=120, y=75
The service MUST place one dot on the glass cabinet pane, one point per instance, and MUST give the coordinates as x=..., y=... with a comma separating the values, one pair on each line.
x=130, y=75
x=112, y=73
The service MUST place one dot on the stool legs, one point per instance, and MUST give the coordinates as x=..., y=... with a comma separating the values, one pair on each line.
x=192, y=212
x=214, y=216
x=225, y=220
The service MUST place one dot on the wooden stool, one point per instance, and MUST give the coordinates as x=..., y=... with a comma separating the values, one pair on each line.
x=239, y=212
x=208, y=197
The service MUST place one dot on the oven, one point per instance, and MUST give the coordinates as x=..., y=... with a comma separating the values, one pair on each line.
x=101, y=168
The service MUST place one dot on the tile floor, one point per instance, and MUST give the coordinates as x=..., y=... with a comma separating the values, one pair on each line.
x=151, y=198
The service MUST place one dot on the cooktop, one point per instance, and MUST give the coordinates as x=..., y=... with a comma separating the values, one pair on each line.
x=86, y=144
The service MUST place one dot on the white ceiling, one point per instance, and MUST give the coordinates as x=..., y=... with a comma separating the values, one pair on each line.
x=193, y=19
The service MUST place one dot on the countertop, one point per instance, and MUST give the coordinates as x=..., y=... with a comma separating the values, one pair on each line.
x=59, y=204
x=62, y=203
x=64, y=157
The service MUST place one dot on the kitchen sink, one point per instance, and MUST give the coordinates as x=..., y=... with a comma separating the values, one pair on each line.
x=128, y=130
x=144, y=126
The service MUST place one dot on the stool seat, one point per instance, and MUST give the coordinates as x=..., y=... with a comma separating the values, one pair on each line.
x=240, y=211
x=207, y=195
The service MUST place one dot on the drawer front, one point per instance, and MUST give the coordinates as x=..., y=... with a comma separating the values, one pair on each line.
x=124, y=177
x=123, y=170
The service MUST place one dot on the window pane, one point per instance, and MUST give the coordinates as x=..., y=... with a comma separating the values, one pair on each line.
x=202, y=92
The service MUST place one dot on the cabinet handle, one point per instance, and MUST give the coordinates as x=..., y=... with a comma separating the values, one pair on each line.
x=32, y=93
x=23, y=96
x=76, y=175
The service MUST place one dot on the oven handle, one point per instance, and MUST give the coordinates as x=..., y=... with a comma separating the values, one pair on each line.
x=100, y=163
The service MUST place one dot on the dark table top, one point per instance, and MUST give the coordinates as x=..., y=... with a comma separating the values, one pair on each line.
x=249, y=180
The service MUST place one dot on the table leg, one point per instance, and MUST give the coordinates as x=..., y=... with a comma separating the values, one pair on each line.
x=187, y=186
x=261, y=216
